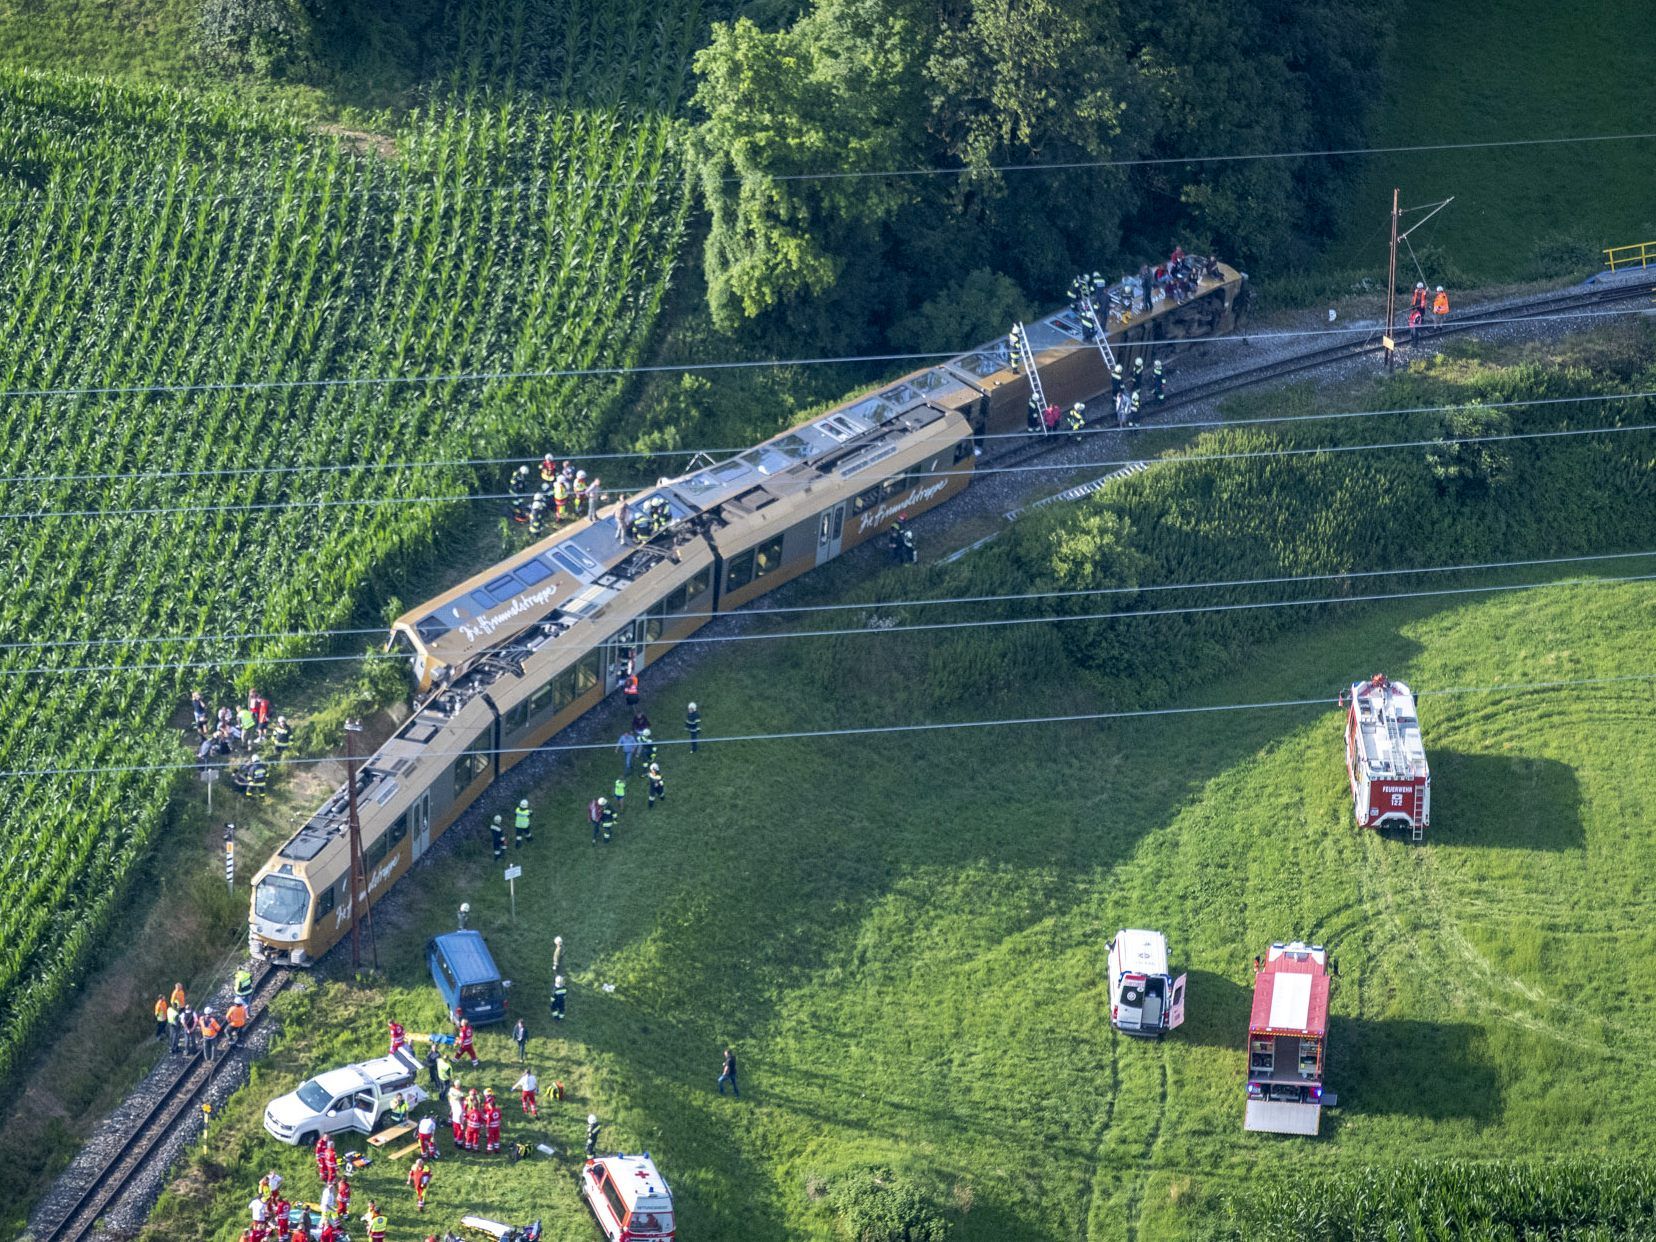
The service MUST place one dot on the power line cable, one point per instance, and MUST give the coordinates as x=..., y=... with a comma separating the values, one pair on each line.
x=859, y=631
x=933, y=726
x=877, y=605
x=371, y=501
x=675, y=368
x=631, y=455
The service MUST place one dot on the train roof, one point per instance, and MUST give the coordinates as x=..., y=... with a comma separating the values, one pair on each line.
x=1291, y=992
x=1387, y=730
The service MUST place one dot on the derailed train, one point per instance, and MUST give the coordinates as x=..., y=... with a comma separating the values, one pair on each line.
x=508, y=658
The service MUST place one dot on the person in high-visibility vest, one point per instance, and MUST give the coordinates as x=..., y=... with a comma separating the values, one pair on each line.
x=1116, y=382
x=620, y=794
x=559, y=994
x=497, y=837
x=548, y=469
x=578, y=494
x=491, y=1120
x=560, y=498
x=235, y=1019
x=281, y=735
x=1419, y=301
x=1076, y=420
x=1440, y=309
x=244, y=981
x=520, y=825
x=419, y=1177
x=178, y=999
x=160, y=1016
x=211, y=1029
x=374, y=1221
x=1158, y=381
x=658, y=787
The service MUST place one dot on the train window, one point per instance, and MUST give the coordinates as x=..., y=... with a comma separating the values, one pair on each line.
x=532, y=572
x=652, y=621
x=541, y=699
x=325, y=902
x=700, y=585
x=739, y=571
x=767, y=556
x=471, y=764
x=586, y=672
x=826, y=526
x=375, y=854
x=281, y=899
x=399, y=829
x=517, y=718
x=963, y=450
x=870, y=497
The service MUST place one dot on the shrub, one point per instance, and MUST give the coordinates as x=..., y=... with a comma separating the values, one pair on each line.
x=265, y=36
x=878, y=1205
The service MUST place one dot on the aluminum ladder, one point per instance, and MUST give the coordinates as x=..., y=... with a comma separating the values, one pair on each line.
x=1089, y=315
x=1417, y=826
x=1023, y=356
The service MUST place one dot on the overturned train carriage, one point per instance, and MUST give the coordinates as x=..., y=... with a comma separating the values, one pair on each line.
x=508, y=658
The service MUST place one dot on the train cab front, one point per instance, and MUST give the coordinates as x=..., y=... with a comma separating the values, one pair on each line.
x=279, y=919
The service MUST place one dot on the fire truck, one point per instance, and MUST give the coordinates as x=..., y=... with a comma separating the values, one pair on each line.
x=1287, y=1041
x=1391, y=786
x=629, y=1198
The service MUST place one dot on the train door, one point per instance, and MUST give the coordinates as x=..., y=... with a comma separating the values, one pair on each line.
x=421, y=815
x=626, y=644
x=830, y=533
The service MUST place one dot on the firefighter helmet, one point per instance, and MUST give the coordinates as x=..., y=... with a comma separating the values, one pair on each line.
x=592, y=1119
x=524, y=803
x=603, y=801
x=692, y=707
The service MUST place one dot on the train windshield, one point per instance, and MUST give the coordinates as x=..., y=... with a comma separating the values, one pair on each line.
x=281, y=900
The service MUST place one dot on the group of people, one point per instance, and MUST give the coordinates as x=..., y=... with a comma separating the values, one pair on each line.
x=185, y=1028
x=1128, y=397
x=1439, y=302
x=274, y=1218
x=637, y=745
x=564, y=494
x=1178, y=278
x=239, y=738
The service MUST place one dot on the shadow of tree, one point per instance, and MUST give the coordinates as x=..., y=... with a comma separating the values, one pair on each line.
x=1505, y=801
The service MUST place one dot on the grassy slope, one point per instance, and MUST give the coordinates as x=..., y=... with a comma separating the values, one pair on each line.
x=909, y=961
x=1494, y=71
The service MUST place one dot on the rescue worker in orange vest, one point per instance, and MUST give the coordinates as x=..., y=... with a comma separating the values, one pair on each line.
x=419, y=1177
x=1419, y=302
x=211, y=1029
x=178, y=999
x=236, y=1019
x=1440, y=309
x=578, y=491
x=548, y=469
x=374, y=1222
x=160, y=1016
x=491, y=1119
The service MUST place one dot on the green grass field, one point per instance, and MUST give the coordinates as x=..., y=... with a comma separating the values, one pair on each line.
x=908, y=960
x=1493, y=71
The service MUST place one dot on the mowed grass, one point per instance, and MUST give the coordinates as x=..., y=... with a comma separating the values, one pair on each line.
x=1491, y=72
x=903, y=937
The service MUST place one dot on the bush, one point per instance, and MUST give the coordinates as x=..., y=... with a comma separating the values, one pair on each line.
x=267, y=37
x=977, y=307
x=878, y=1205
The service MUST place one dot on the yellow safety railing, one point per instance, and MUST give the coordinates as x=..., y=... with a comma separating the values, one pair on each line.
x=1642, y=254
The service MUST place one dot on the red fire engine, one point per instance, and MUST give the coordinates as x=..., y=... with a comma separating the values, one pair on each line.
x=1287, y=1041
x=1391, y=786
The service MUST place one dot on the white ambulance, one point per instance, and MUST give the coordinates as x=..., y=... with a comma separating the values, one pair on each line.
x=629, y=1198
x=1145, y=999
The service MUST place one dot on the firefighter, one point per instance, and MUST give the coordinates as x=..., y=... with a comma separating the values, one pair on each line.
x=1076, y=420
x=663, y=514
x=1077, y=291
x=548, y=469
x=1133, y=410
x=419, y=1177
x=560, y=498
x=497, y=837
x=1035, y=414
x=474, y=1126
x=606, y=821
x=426, y=1131
x=1116, y=382
x=1158, y=381
x=592, y=1135
x=258, y=777
x=620, y=795
x=537, y=514
x=560, y=994
x=1440, y=309
x=520, y=825
x=211, y=1029
x=528, y=1089
x=1138, y=370
x=658, y=787
x=517, y=488
x=646, y=746
x=578, y=494
x=373, y=1220
x=463, y=1042
x=692, y=724
x=894, y=540
x=398, y=1036
x=491, y=1120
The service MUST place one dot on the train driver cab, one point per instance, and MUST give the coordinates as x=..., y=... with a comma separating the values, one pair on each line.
x=281, y=916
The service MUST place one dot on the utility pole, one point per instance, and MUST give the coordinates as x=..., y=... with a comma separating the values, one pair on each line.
x=1391, y=290
x=361, y=911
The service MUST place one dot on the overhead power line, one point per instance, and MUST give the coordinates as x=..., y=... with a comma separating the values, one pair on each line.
x=357, y=502
x=861, y=631
x=931, y=726
x=878, y=605
x=675, y=368
x=1103, y=428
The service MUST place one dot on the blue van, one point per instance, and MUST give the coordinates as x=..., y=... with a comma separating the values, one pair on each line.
x=466, y=975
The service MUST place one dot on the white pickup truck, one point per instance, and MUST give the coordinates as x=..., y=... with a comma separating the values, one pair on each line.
x=357, y=1097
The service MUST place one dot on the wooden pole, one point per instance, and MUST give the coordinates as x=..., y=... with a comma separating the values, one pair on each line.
x=1391, y=290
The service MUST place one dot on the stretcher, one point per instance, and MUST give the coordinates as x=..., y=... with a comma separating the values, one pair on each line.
x=405, y=1151
x=393, y=1132
x=503, y=1233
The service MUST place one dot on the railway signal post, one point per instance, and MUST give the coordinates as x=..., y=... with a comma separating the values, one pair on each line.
x=230, y=856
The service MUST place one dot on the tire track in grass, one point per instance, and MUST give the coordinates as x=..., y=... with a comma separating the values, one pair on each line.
x=1101, y=1132
x=1147, y=1167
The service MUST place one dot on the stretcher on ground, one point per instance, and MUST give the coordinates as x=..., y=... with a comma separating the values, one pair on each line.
x=389, y=1133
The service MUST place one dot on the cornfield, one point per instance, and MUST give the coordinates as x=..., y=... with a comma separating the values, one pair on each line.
x=528, y=219
x=1500, y=1201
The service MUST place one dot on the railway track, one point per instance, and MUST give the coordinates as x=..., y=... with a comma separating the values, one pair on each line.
x=180, y=1096
x=185, y=1085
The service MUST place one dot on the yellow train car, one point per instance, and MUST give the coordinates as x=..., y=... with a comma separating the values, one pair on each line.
x=510, y=657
